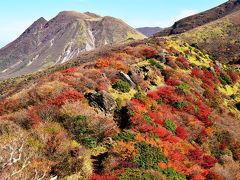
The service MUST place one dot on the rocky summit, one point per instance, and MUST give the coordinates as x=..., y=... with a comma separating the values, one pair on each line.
x=47, y=43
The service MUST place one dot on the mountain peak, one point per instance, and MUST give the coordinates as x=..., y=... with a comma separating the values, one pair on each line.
x=92, y=14
x=76, y=14
x=38, y=24
x=47, y=43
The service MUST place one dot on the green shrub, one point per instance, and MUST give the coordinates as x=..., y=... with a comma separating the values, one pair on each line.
x=122, y=86
x=138, y=95
x=90, y=142
x=172, y=174
x=125, y=136
x=159, y=101
x=226, y=78
x=156, y=64
x=148, y=119
x=83, y=131
x=182, y=88
x=170, y=125
x=180, y=104
x=148, y=155
x=137, y=174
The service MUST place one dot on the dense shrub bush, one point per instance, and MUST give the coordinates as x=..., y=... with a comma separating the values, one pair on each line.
x=156, y=64
x=173, y=174
x=125, y=136
x=170, y=125
x=180, y=132
x=66, y=96
x=148, y=52
x=234, y=76
x=149, y=156
x=137, y=174
x=180, y=104
x=226, y=78
x=103, y=177
x=122, y=86
x=183, y=62
x=70, y=70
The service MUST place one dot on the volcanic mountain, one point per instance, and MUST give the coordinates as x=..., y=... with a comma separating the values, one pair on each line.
x=47, y=43
x=216, y=31
x=149, y=31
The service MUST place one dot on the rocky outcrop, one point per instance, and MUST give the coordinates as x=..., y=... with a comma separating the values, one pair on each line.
x=127, y=78
x=103, y=101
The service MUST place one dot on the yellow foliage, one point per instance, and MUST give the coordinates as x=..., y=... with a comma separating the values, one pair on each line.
x=50, y=88
x=122, y=97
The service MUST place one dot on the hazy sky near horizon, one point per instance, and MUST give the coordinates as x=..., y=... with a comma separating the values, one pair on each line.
x=17, y=15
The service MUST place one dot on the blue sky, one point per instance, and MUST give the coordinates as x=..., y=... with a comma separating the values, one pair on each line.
x=17, y=15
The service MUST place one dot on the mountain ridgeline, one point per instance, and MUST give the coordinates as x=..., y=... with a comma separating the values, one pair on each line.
x=47, y=43
x=215, y=31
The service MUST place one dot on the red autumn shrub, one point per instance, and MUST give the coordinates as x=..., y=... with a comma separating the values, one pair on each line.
x=204, y=113
x=62, y=98
x=176, y=156
x=153, y=94
x=160, y=132
x=103, y=177
x=173, y=82
x=70, y=70
x=198, y=177
x=143, y=128
x=136, y=105
x=137, y=119
x=195, y=155
x=196, y=72
x=34, y=117
x=234, y=76
x=180, y=132
x=213, y=176
x=183, y=61
x=168, y=94
x=148, y=52
x=171, y=139
x=170, y=61
x=156, y=118
x=208, y=161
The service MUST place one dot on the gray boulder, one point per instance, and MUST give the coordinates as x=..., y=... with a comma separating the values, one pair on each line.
x=103, y=101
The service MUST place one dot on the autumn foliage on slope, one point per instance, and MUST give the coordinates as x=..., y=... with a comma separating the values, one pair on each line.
x=164, y=126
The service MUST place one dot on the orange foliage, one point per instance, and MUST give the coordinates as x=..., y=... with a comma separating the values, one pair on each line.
x=103, y=62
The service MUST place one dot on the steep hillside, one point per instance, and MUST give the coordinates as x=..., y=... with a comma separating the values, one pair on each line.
x=153, y=109
x=203, y=18
x=47, y=43
x=149, y=31
x=220, y=38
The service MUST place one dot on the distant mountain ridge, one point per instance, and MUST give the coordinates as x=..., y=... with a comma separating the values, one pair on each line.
x=149, y=31
x=216, y=31
x=47, y=43
x=202, y=18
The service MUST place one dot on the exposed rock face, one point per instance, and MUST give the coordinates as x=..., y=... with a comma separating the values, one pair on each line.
x=103, y=101
x=126, y=78
x=47, y=43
